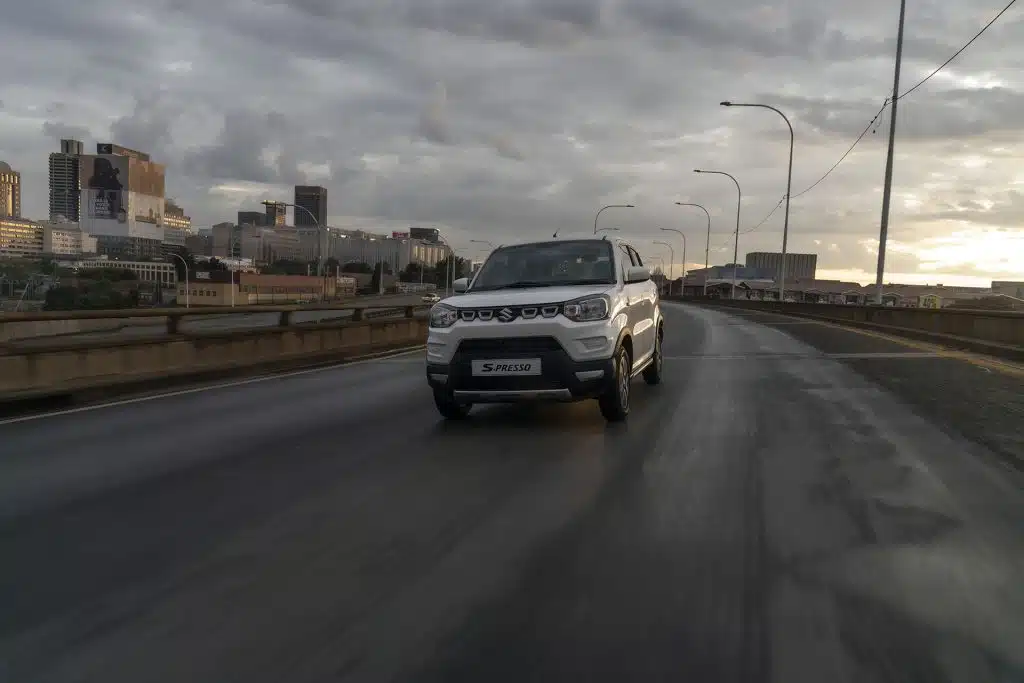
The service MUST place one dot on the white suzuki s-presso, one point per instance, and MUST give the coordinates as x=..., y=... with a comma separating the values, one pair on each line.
x=564, y=319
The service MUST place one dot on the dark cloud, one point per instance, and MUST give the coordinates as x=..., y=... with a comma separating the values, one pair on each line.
x=548, y=109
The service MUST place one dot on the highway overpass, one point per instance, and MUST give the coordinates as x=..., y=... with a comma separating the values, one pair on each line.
x=797, y=502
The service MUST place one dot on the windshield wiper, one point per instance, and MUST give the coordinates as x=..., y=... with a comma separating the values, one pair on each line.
x=526, y=284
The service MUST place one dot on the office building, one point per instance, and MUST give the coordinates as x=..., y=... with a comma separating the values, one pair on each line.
x=255, y=218
x=227, y=240
x=174, y=217
x=65, y=181
x=310, y=199
x=10, y=192
x=63, y=238
x=20, y=238
x=122, y=197
x=277, y=214
x=118, y=150
x=797, y=265
x=432, y=235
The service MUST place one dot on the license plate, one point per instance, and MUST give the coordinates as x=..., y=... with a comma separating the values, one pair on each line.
x=513, y=367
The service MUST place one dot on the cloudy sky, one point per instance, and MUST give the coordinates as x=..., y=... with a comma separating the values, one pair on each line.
x=501, y=119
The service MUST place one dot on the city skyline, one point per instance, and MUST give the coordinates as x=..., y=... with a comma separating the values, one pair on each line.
x=497, y=130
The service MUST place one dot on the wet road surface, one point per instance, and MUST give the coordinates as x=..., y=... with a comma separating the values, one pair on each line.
x=787, y=506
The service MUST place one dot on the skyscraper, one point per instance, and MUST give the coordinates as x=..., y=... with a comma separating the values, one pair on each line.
x=10, y=192
x=313, y=199
x=65, y=181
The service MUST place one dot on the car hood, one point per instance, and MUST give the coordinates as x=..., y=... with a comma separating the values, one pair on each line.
x=524, y=297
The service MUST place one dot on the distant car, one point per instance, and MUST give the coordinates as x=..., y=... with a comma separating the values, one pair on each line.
x=431, y=298
x=564, y=320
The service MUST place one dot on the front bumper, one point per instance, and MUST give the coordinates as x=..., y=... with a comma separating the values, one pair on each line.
x=561, y=378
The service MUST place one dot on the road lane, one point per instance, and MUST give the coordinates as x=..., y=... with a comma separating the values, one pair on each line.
x=767, y=513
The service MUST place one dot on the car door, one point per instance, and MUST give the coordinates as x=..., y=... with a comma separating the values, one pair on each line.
x=642, y=306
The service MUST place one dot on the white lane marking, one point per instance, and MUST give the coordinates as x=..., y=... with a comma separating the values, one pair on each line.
x=223, y=385
x=761, y=355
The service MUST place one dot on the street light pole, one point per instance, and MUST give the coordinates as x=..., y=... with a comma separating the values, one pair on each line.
x=610, y=206
x=319, y=231
x=789, y=189
x=672, y=263
x=184, y=263
x=682, y=236
x=739, y=203
x=707, y=245
x=883, y=230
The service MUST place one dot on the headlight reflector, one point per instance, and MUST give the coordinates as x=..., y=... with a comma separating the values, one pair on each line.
x=588, y=309
x=442, y=316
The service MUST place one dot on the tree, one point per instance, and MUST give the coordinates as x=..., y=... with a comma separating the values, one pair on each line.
x=214, y=264
x=375, y=280
x=414, y=272
x=441, y=274
x=286, y=267
x=357, y=267
x=179, y=267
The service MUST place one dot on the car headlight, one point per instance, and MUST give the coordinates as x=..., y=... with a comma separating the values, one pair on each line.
x=586, y=310
x=443, y=316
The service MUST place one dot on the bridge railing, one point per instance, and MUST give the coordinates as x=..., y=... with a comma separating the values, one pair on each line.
x=996, y=332
x=85, y=325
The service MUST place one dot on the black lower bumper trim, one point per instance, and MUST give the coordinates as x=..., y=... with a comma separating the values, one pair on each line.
x=561, y=378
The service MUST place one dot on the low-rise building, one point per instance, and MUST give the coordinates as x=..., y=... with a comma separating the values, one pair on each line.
x=66, y=239
x=227, y=288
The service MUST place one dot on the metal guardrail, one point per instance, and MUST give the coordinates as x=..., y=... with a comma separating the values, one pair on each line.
x=168, y=321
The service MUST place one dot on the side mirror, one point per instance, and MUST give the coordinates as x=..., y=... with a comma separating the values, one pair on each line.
x=460, y=285
x=637, y=274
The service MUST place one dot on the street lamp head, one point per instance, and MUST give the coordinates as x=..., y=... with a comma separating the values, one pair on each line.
x=697, y=170
x=727, y=103
x=628, y=206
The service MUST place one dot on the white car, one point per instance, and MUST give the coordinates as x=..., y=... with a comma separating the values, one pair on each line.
x=430, y=298
x=565, y=319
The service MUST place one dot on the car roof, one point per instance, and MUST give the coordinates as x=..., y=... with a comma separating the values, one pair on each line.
x=567, y=237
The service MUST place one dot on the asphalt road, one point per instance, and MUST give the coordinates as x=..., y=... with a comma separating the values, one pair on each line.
x=772, y=512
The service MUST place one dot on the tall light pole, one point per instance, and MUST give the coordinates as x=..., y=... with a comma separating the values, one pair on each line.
x=789, y=188
x=683, y=238
x=184, y=263
x=319, y=231
x=707, y=245
x=671, y=265
x=739, y=203
x=610, y=206
x=883, y=230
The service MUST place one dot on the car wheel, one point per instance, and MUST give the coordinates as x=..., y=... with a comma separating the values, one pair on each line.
x=614, y=402
x=653, y=372
x=448, y=407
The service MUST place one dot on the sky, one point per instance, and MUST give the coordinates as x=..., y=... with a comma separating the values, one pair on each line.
x=507, y=120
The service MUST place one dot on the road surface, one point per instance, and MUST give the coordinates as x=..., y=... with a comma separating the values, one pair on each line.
x=796, y=503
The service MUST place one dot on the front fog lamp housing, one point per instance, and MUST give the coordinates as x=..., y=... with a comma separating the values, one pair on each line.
x=443, y=316
x=585, y=310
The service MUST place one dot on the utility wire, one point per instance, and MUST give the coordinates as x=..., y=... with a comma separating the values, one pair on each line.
x=874, y=120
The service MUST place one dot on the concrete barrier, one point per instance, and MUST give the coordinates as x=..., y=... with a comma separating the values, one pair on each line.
x=998, y=333
x=98, y=369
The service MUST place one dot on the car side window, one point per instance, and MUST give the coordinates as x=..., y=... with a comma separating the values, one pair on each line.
x=637, y=261
x=625, y=261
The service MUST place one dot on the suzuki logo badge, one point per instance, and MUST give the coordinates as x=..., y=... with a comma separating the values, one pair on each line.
x=506, y=315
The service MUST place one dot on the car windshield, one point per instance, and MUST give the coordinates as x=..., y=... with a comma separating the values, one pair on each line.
x=547, y=264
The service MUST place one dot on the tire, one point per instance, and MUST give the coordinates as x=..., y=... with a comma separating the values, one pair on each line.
x=614, y=402
x=449, y=408
x=653, y=372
